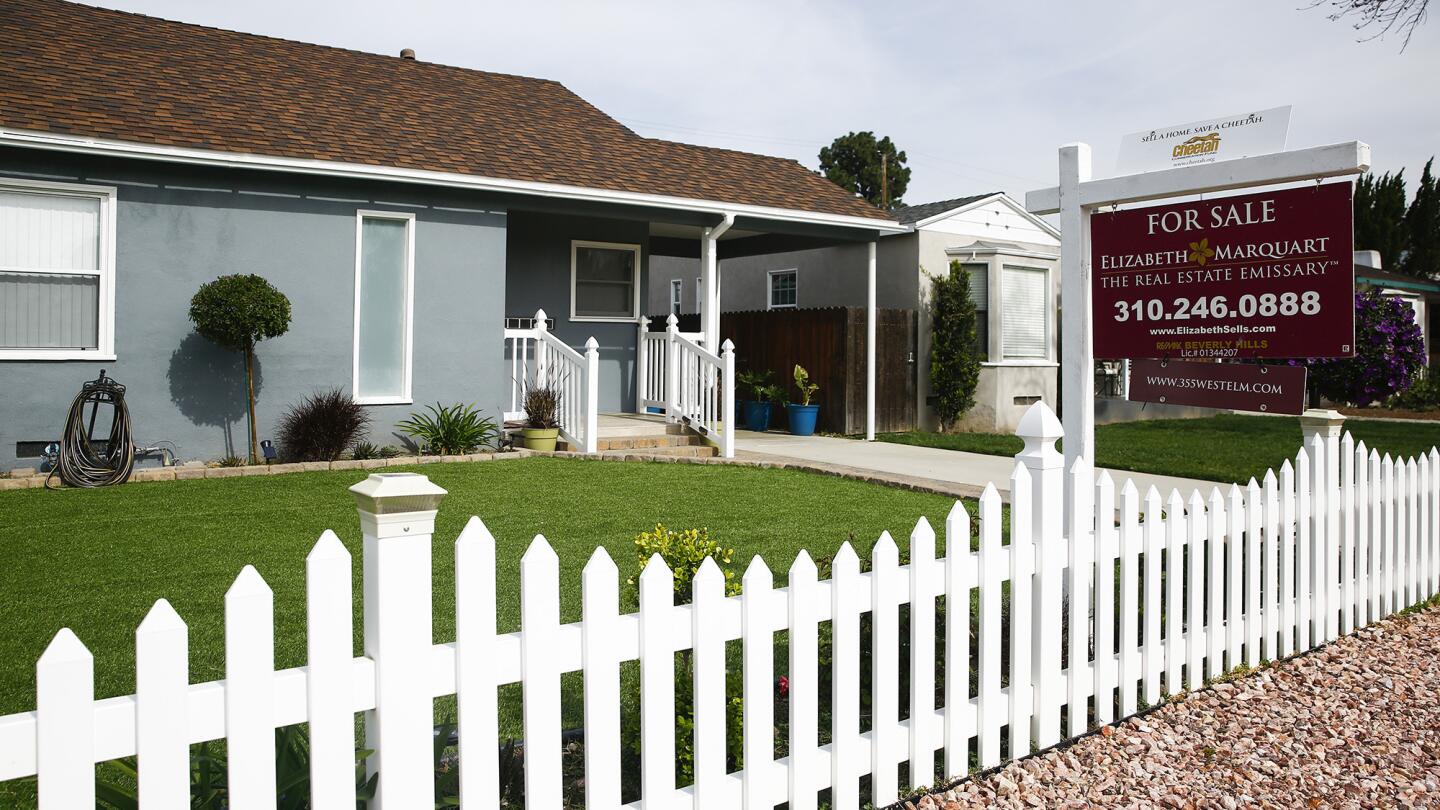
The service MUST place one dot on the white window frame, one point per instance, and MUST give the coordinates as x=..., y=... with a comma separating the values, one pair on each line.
x=677, y=296
x=699, y=294
x=409, y=331
x=1049, y=356
x=105, y=270
x=770, y=288
x=634, y=317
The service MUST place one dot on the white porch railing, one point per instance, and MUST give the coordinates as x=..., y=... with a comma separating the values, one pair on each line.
x=538, y=357
x=695, y=387
x=652, y=353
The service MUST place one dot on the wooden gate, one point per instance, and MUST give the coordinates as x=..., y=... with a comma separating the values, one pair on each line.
x=830, y=344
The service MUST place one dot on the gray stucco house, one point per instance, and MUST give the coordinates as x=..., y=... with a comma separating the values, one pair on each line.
x=410, y=211
x=1012, y=257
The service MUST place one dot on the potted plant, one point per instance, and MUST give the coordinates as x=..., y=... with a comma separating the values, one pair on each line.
x=542, y=416
x=802, y=414
x=757, y=410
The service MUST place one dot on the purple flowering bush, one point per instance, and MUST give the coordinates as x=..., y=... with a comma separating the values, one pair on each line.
x=1389, y=354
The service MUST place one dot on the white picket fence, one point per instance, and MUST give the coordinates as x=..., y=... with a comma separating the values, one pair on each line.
x=1173, y=592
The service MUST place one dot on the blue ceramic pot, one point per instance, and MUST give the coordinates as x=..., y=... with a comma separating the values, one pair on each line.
x=802, y=418
x=757, y=415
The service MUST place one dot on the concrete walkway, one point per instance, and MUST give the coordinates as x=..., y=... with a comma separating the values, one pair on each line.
x=965, y=474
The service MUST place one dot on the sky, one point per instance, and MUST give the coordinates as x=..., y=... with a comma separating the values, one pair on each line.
x=978, y=94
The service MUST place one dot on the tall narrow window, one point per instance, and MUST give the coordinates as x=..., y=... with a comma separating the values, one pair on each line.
x=1024, y=321
x=980, y=294
x=782, y=289
x=605, y=281
x=384, y=283
x=677, y=288
x=56, y=271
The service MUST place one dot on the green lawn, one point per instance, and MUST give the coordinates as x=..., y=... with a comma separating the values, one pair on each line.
x=95, y=560
x=1219, y=448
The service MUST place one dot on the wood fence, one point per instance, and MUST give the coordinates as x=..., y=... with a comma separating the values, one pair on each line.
x=1173, y=592
x=830, y=344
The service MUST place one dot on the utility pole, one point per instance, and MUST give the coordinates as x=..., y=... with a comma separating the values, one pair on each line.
x=884, y=181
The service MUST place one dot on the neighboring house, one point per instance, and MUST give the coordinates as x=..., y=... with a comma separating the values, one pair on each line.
x=408, y=210
x=1422, y=295
x=1013, y=260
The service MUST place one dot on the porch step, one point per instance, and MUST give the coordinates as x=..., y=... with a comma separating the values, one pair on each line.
x=701, y=450
x=675, y=438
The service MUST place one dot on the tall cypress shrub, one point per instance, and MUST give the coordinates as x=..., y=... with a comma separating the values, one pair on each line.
x=1422, y=227
x=954, y=350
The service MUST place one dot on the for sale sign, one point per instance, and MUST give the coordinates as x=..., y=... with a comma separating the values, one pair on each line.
x=1238, y=386
x=1259, y=275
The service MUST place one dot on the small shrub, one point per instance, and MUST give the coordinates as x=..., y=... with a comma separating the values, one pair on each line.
x=542, y=405
x=684, y=552
x=232, y=461
x=322, y=426
x=450, y=429
x=366, y=450
x=955, y=352
x=1422, y=395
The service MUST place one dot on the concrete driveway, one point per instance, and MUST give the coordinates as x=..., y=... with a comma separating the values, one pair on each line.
x=966, y=473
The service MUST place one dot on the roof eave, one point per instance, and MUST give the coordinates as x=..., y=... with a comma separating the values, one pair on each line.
x=241, y=160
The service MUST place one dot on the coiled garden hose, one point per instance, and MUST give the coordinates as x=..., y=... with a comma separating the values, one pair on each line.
x=81, y=462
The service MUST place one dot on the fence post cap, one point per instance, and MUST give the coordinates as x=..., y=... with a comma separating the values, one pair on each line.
x=727, y=347
x=541, y=319
x=671, y=322
x=591, y=344
x=1040, y=429
x=397, y=504
x=1321, y=421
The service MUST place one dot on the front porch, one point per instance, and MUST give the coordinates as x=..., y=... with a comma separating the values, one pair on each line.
x=573, y=293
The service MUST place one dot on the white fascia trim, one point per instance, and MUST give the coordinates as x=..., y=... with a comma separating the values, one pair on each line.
x=963, y=252
x=239, y=160
x=1002, y=197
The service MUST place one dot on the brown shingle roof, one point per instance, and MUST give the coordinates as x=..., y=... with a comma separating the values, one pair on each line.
x=78, y=70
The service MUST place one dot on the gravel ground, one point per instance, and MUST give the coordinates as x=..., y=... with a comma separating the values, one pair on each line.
x=1353, y=725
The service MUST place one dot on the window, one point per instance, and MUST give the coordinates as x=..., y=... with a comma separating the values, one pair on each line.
x=980, y=294
x=782, y=289
x=699, y=294
x=1024, y=320
x=384, y=289
x=605, y=281
x=57, y=266
x=677, y=288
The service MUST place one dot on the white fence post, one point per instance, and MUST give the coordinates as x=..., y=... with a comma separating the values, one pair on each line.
x=672, y=369
x=592, y=395
x=727, y=401
x=541, y=326
x=642, y=364
x=1040, y=430
x=397, y=519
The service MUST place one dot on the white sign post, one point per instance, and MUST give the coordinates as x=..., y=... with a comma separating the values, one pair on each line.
x=1078, y=195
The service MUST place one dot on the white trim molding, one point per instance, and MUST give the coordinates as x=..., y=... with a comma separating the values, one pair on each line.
x=404, y=398
x=770, y=288
x=104, y=269
x=634, y=316
x=329, y=168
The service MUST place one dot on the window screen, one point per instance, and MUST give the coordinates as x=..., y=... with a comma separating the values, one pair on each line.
x=605, y=281
x=1023, y=331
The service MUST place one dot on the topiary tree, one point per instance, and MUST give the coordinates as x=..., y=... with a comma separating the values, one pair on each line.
x=1389, y=353
x=955, y=351
x=237, y=312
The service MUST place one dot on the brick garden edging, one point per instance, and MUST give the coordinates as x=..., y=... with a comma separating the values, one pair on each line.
x=757, y=460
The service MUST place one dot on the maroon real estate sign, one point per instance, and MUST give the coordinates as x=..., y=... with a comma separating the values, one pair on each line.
x=1239, y=386
x=1253, y=276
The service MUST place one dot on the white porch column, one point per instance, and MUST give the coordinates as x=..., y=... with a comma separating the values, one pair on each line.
x=710, y=291
x=397, y=518
x=1077, y=353
x=870, y=344
x=642, y=364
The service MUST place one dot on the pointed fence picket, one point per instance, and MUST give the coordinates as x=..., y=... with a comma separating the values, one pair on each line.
x=1085, y=618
